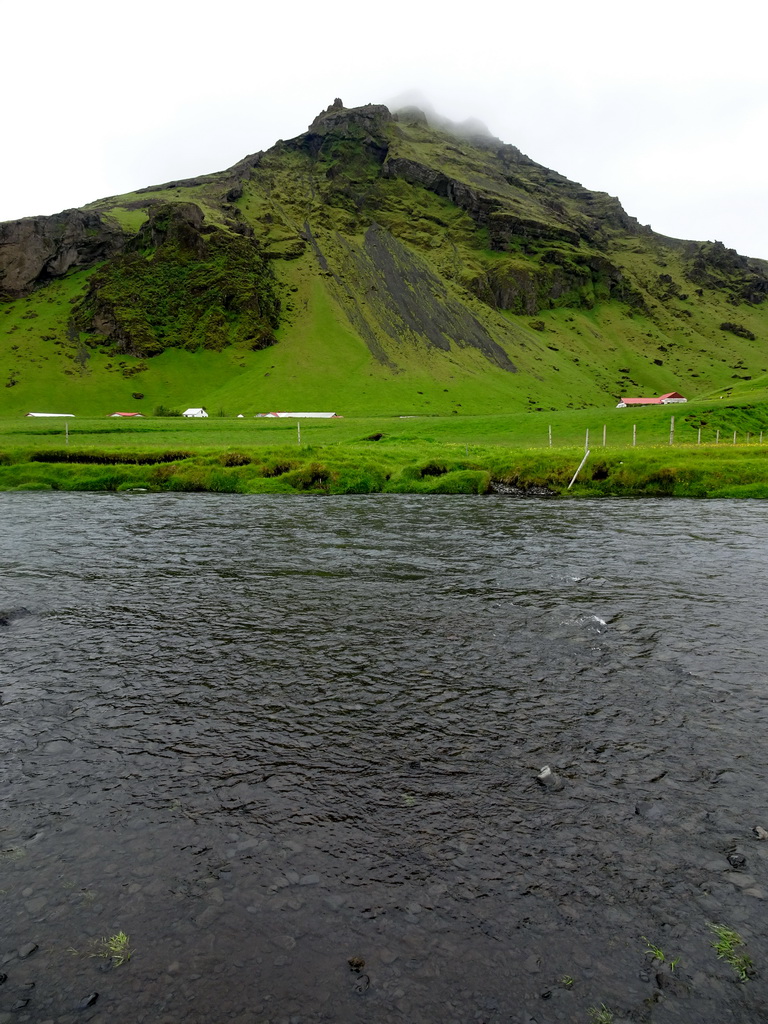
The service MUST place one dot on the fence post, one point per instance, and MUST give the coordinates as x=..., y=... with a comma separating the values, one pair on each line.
x=586, y=442
x=734, y=437
x=698, y=440
x=717, y=438
x=550, y=435
x=586, y=456
x=634, y=434
x=605, y=427
x=672, y=430
x=298, y=429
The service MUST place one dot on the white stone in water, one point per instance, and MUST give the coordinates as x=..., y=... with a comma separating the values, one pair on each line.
x=549, y=779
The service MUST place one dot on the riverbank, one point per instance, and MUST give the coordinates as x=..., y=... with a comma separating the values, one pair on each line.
x=375, y=466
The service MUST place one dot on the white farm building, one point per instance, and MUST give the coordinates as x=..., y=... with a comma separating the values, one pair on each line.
x=301, y=415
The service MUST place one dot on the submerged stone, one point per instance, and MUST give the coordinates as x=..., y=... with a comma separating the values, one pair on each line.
x=549, y=780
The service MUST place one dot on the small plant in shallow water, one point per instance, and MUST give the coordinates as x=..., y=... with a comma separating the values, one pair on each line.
x=657, y=953
x=566, y=981
x=726, y=948
x=115, y=948
x=600, y=1014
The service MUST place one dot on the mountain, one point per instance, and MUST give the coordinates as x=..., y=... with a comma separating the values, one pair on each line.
x=379, y=263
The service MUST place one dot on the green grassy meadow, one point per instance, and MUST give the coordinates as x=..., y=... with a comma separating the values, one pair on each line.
x=415, y=454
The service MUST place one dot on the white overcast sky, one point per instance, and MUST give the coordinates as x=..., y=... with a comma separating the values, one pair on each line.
x=662, y=103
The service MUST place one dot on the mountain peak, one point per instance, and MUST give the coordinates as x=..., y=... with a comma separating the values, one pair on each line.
x=427, y=242
x=369, y=116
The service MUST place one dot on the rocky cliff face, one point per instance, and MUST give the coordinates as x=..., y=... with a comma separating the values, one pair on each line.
x=36, y=250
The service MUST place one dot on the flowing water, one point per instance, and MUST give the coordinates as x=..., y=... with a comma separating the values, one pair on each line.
x=265, y=736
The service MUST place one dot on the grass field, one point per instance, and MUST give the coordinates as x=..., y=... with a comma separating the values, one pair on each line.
x=514, y=430
x=450, y=454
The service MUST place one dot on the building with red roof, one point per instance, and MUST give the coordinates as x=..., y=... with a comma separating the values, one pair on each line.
x=671, y=398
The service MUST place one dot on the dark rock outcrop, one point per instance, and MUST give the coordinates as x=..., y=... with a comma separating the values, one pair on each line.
x=520, y=491
x=561, y=278
x=337, y=117
x=180, y=224
x=35, y=250
x=181, y=283
x=407, y=302
x=712, y=265
x=485, y=210
x=739, y=330
x=337, y=131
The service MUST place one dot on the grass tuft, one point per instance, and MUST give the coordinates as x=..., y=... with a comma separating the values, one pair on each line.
x=600, y=1014
x=115, y=948
x=657, y=953
x=727, y=946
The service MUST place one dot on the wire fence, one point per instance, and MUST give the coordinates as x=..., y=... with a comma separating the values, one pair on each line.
x=651, y=435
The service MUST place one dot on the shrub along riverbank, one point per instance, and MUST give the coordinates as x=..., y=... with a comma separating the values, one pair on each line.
x=417, y=467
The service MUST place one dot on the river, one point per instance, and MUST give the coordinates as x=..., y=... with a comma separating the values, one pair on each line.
x=267, y=736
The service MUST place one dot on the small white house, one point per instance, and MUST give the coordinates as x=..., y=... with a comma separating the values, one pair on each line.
x=48, y=415
x=198, y=414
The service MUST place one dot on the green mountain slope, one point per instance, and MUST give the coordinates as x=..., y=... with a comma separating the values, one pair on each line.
x=375, y=265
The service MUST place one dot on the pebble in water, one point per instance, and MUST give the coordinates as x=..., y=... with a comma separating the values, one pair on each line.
x=27, y=950
x=549, y=780
x=361, y=982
